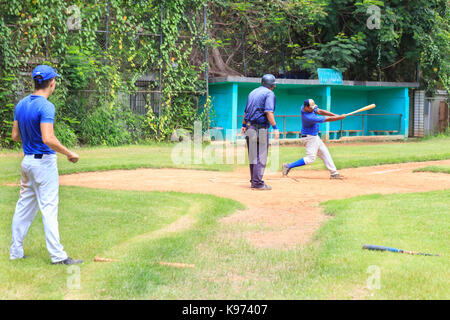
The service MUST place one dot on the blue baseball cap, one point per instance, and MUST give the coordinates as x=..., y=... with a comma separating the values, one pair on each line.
x=306, y=103
x=46, y=72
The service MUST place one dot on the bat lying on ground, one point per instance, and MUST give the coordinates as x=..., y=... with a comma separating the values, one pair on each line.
x=381, y=248
x=99, y=259
x=370, y=106
x=176, y=264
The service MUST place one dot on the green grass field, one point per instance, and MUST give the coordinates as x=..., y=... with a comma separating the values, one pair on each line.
x=352, y=156
x=141, y=229
x=437, y=169
x=99, y=223
x=106, y=158
x=159, y=156
x=144, y=228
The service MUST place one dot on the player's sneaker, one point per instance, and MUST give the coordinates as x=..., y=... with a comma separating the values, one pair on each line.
x=264, y=187
x=68, y=261
x=23, y=257
x=336, y=176
x=286, y=169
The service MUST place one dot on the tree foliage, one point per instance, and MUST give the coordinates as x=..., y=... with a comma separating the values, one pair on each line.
x=298, y=36
x=289, y=38
x=99, y=69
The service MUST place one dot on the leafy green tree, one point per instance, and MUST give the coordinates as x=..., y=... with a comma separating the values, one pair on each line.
x=383, y=40
x=98, y=69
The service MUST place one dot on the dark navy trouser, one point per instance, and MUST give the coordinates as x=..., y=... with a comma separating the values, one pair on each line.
x=258, y=148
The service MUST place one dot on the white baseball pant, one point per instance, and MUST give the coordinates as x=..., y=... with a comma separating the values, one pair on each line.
x=315, y=147
x=39, y=189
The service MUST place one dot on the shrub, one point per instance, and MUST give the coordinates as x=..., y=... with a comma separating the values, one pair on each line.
x=65, y=134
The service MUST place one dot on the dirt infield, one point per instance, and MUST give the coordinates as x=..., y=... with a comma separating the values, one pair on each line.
x=290, y=212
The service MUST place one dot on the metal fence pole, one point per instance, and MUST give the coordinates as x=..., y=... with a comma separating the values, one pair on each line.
x=160, y=58
x=46, y=47
x=107, y=29
x=362, y=116
x=283, y=60
x=243, y=50
x=205, y=27
x=106, y=39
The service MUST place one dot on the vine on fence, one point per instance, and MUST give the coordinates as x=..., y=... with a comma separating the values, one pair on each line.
x=99, y=70
x=382, y=40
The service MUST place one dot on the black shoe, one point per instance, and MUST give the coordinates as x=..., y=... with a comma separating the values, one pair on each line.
x=264, y=187
x=68, y=261
x=286, y=169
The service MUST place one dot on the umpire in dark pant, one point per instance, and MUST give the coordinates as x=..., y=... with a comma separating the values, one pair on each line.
x=258, y=117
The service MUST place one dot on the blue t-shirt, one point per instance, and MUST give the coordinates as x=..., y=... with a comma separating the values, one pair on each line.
x=259, y=101
x=30, y=112
x=310, y=122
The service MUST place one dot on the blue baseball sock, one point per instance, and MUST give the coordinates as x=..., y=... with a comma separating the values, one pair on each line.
x=297, y=163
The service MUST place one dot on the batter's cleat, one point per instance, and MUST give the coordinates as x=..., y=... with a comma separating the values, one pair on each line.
x=68, y=261
x=286, y=169
x=336, y=176
x=23, y=257
x=264, y=187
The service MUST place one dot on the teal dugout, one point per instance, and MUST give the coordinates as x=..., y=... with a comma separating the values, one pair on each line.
x=390, y=117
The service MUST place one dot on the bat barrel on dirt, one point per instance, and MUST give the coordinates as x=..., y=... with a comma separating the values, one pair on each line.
x=381, y=248
x=370, y=106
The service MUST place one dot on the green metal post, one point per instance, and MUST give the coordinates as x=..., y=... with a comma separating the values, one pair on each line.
x=234, y=105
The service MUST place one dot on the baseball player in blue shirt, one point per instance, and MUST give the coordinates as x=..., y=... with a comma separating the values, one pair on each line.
x=258, y=117
x=34, y=116
x=311, y=117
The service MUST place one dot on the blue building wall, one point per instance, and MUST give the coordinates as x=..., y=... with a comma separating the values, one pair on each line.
x=390, y=101
x=344, y=100
x=288, y=102
x=222, y=102
x=229, y=101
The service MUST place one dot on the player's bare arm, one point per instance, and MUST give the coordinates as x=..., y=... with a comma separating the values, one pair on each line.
x=49, y=138
x=325, y=113
x=15, y=134
x=271, y=118
x=335, y=118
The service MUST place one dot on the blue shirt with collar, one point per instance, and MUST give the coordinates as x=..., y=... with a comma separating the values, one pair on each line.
x=30, y=112
x=259, y=101
x=310, y=122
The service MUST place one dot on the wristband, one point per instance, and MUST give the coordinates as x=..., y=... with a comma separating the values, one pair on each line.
x=274, y=127
x=244, y=125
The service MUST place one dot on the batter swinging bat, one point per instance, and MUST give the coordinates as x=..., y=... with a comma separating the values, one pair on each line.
x=370, y=106
x=381, y=248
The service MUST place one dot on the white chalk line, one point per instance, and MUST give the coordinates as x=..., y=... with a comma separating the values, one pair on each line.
x=386, y=171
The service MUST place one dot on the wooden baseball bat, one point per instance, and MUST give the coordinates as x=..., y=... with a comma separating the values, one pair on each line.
x=99, y=259
x=370, y=106
x=176, y=264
